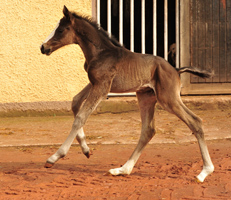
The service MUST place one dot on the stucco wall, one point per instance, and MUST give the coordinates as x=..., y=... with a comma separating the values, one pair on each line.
x=25, y=74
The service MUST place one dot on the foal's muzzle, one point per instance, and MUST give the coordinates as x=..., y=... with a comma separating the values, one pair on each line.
x=45, y=49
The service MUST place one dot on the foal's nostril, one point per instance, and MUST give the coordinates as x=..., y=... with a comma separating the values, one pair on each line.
x=42, y=49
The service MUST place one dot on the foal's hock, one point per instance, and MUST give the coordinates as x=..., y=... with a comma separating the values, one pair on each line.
x=113, y=68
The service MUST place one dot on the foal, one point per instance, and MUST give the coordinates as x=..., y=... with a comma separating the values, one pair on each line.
x=113, y=68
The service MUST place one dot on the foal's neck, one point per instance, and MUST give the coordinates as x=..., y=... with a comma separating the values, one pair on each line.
x=91, y=40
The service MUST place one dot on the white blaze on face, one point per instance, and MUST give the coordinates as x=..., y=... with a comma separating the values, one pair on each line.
x=52, y=33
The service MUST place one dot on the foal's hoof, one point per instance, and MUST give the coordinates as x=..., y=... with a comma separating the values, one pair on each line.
x=197, y=180
x=48, y=165
x=89, y=153
x=107, y=174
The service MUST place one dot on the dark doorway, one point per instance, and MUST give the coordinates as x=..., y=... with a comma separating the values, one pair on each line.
x=137, y=23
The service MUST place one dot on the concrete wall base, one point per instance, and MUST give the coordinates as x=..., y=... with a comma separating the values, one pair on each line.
x=110, y=105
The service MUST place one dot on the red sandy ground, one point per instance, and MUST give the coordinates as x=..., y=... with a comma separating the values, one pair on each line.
x=164, y=171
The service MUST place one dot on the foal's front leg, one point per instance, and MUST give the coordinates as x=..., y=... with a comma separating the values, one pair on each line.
x=95, y=96
x=79, y=98
x=76, y=104
x=62, y=151
x=81, y=138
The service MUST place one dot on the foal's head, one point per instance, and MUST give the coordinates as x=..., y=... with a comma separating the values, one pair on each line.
x=62, y=35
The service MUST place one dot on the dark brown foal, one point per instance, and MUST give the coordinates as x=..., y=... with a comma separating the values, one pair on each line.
x=112, y=68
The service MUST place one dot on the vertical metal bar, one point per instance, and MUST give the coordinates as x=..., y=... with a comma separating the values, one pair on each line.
x=98, y=12
x=154, y=28
x=94, y=10
x=177, y=34
x=132, y=25
x=121, y=22
x=166, y=29
x=109, y=17
x=143, y=27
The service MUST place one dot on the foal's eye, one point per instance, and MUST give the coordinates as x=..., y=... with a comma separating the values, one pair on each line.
x=60, y=30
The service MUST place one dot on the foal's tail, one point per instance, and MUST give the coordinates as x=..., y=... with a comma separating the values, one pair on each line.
x=195, y=71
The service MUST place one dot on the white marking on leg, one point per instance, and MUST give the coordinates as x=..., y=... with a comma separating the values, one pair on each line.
x=126, y=169
x=51, y=34
x=208, y=167
x=129, y=165
x=62, y=151
x=205, y=172
x=81, y=139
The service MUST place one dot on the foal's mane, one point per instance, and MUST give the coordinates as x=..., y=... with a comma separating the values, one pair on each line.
x=99, y=29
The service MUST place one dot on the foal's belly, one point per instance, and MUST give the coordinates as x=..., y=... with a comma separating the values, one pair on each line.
x=128, y=85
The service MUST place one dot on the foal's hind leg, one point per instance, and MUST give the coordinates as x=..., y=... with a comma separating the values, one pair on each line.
x=147, y=102
x=176, y=106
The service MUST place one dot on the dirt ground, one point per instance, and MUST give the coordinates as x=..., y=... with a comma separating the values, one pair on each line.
x=166, y=169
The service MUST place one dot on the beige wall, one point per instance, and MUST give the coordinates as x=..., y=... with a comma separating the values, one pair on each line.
x=25, y=74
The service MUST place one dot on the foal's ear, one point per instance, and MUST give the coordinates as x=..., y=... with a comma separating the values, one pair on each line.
x=66, y=12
